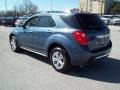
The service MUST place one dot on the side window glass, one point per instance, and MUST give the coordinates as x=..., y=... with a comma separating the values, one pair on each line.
x=46, y=21
x=52, y=22
x=32, y=22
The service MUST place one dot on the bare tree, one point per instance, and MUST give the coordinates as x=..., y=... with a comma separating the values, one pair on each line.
x=27, y=7
x=2, y=13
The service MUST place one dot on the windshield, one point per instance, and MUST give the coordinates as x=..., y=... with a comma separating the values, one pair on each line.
x=116, y=16
x=106, y=16
x=22, y=18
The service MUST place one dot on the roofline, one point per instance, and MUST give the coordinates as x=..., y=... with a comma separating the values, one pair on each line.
x=57, y=14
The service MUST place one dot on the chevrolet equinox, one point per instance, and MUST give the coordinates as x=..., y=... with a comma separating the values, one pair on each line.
x=66, y=39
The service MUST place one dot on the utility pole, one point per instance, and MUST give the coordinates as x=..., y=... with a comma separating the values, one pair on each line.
x=51, y=4
x=102, y=2
x=6, y=5
x=101, y=7
x=86, y=5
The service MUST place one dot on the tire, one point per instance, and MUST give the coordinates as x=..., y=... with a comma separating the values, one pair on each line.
x=115, y=24
x=14, y=44
x=60, y=60
x=108, y=22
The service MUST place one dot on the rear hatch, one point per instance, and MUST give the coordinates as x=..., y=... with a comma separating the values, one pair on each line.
x=96, y=31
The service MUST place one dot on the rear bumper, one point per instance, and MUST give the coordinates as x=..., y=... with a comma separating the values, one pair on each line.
x=102, y=56
x=83, y=57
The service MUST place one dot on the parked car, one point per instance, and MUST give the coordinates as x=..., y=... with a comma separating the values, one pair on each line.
x=1, y=19
x=66, y=39
x=55, y=11
x=116, y=20
x=9, y=21
x=108, y=19
x=20, y=20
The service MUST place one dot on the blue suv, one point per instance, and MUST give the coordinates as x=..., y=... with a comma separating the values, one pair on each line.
x=66, y=39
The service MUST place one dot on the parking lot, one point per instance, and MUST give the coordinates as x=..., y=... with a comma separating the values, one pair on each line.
x=28, y=71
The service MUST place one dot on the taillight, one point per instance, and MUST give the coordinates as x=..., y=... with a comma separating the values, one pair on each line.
x=80, y=37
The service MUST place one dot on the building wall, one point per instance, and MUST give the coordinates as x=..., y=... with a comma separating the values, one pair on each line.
x=83, y=5
x=95, y=6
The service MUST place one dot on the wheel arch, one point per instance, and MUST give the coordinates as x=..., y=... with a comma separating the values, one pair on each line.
x=54, y=45
x=11, y=35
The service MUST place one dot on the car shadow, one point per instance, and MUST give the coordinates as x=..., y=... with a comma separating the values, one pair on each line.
x=105, y=70
x=35, y=56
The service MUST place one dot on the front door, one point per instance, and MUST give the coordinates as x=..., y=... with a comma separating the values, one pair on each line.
x=26, y=33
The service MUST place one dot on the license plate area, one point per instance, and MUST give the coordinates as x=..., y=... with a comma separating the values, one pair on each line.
x=102, y=39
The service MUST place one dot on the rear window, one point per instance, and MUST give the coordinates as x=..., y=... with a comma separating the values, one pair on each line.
x=84, y=21
x=8, y=19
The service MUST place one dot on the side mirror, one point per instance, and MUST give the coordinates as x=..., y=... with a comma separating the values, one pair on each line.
x=21, y=25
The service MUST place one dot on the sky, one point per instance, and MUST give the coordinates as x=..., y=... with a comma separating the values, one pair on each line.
x=43, y=4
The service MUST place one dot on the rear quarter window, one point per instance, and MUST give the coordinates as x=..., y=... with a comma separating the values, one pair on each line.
x=71, y=21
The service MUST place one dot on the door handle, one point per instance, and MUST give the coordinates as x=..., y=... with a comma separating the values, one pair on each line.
x=49, y=31
x=30, y=31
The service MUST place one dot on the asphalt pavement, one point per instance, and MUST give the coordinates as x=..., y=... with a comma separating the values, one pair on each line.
x=28, y=71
